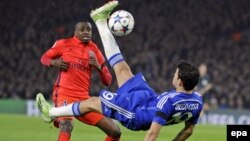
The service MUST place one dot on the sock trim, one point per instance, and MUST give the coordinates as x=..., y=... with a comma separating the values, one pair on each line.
x=76, y=109
x=116, y=58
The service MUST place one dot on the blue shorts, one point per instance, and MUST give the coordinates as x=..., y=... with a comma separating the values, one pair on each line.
x=122, y=105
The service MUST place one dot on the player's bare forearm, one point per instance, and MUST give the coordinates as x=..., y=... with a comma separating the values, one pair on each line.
x=153, y=132
x=182, y=136
x=185, y=132
x=150, y=137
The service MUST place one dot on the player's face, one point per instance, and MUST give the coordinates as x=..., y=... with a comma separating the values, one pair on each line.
x=176, y=80
x=83, y=31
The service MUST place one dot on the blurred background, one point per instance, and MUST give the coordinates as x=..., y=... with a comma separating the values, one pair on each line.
x=213, y=34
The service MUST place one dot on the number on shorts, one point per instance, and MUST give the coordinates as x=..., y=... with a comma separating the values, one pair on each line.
x=108, y=95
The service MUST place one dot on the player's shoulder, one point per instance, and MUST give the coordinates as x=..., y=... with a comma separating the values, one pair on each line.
x=197, y=95
x=173, y=95
x=168, y=95
x=63, y=41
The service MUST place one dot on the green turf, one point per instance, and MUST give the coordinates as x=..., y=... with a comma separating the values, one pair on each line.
x=23, y=128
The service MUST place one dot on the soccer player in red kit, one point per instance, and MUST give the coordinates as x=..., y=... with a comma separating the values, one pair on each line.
x=75, y=58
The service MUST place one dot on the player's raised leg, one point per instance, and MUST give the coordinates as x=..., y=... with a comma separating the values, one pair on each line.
x=48, y=114
x=111, y=49
x=74, y=109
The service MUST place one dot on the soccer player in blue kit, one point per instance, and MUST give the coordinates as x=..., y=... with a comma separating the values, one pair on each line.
x=135, y=104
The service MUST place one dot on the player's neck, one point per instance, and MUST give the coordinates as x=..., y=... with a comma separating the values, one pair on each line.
x=181, y=89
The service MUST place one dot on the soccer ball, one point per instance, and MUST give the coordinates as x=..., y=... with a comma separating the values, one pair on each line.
x=121, y=23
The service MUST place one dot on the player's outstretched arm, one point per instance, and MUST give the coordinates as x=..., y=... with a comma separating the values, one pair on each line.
x=185, y=132
x=153, y=132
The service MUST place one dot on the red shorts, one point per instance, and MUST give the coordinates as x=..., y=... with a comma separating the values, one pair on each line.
x=90, y=118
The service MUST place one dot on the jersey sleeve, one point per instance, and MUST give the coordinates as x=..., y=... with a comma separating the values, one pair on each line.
x=99, y=55
x=163, y=111
x=56, y=50
x=195, y=118
x=53, y=52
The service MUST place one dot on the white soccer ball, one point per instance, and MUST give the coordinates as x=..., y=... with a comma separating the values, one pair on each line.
x=121, y=23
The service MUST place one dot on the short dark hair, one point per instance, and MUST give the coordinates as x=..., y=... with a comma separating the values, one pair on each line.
x=188, y=74
x=80, y=23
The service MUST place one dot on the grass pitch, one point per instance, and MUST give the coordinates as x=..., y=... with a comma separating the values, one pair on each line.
x=23, y=128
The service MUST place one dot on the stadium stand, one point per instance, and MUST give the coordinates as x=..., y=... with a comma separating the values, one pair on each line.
x=213, y=32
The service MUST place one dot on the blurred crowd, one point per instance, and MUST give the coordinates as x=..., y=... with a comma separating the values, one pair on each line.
x=214, y=35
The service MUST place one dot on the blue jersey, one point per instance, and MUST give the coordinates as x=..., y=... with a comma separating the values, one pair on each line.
x=170, y=108
x=135, y=105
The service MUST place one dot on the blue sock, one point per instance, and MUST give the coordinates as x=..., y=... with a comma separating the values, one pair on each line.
x=76, y=109
x=116, y=58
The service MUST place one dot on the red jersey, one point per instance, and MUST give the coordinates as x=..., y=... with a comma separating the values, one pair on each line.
x=75, y=82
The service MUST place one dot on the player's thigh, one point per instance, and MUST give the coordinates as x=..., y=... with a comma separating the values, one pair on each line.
x=62, y=99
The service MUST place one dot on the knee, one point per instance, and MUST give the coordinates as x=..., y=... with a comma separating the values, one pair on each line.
x=93, y=104
x=109, y=127
x=66, y=125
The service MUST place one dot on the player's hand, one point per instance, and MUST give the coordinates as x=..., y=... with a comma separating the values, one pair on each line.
x=60, y=64
x=93, y=60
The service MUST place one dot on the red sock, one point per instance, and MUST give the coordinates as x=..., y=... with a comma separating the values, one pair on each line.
x=108, y=138
x=64, y=136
